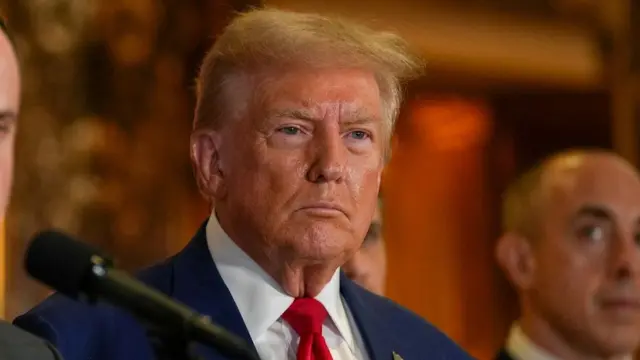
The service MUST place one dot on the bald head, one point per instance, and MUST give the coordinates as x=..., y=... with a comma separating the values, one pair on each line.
x=527, y=200
x=8, y=65
x=579, y=281
x=9, y=106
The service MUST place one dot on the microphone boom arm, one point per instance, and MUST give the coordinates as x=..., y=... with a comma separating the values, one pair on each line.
x=178, y=325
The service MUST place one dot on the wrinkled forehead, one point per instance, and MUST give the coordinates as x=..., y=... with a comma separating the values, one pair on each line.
x=315, y=92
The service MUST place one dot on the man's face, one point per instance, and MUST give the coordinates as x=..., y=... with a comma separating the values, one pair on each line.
x=368, y=267
x=586, y=281
x=302, y=170
x=9, y=104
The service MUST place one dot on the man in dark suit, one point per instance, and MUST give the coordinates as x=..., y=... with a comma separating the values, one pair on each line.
x=571, y=247
x=15, y=344
x=292, y=123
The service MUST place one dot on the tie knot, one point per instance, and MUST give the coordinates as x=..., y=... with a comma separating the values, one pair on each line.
x=306, y=316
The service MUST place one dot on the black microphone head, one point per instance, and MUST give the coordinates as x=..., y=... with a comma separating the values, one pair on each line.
x=61, y=262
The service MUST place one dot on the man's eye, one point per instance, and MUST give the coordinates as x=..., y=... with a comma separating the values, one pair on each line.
x=358, y=135
x=591, y=233
x=290, y=130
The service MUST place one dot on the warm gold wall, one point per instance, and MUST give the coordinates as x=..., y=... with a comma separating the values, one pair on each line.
x=102, y=150
x=438, y=214
x=453, y=156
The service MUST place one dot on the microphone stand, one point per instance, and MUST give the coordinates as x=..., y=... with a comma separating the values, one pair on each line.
x=174, y=344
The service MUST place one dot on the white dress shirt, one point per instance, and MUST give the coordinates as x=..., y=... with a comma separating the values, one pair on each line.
x=521, y=347
x=261, y=302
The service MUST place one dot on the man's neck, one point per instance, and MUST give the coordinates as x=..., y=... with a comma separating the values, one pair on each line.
x=547, y=338
x=298, y=278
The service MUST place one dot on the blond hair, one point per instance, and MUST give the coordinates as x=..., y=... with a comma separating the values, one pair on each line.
x=275, y=39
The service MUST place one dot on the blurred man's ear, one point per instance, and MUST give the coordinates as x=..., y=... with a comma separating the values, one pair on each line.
x=515, y=256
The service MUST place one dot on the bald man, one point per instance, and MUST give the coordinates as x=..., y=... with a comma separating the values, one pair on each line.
x=571, y=248
x=15, y=344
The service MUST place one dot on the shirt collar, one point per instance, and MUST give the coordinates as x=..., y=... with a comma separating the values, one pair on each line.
x=259, y=298
x=520, y=346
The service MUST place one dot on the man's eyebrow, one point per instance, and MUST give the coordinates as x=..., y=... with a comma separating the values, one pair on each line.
x=360, y=120
x=293, y=114
x=597, y=211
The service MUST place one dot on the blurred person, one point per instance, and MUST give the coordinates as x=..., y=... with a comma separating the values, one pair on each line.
x=15, y=344
x=571, y=248
x=292, y=123
x=368, y=267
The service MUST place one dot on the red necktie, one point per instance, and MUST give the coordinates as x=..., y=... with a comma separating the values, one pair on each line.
x=306, y=316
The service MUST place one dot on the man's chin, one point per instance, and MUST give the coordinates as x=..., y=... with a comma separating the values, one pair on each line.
x=320, y=253
x=322, y=250
x=319, y=241
x=619, y=342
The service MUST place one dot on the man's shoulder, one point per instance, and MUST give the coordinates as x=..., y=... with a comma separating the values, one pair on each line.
x=16, y=344
x=67, y=323
x=409, y=332
x=396, y=315
x=388, y=308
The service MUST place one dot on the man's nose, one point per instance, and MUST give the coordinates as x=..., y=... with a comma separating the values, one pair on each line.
x=625, y=258
x=329, y=158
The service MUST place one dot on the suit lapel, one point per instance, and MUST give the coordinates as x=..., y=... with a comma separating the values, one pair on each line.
x=367, y=320
x=198, y=284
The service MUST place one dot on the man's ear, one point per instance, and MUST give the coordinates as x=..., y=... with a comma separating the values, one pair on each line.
x=205, y=158
x=515, y=256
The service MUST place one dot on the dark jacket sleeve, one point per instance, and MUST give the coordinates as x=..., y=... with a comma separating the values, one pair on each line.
x=16, y=344
x=65, y=324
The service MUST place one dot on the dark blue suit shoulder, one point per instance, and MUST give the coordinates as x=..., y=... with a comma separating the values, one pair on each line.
x=90, y=324
x=59, y=314
x=409, y=332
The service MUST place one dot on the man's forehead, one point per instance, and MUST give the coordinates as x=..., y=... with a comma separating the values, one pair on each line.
x=352, y=90
x=9, y=76
x=6, y=49
x=595, y=190
x=310, y=110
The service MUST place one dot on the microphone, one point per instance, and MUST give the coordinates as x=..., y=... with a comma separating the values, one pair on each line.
x=82, y=272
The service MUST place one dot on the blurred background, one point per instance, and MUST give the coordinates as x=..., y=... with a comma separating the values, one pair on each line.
x=107, y=108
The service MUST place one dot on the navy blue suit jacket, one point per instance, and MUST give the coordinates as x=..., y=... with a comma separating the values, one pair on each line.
x=103, y=332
